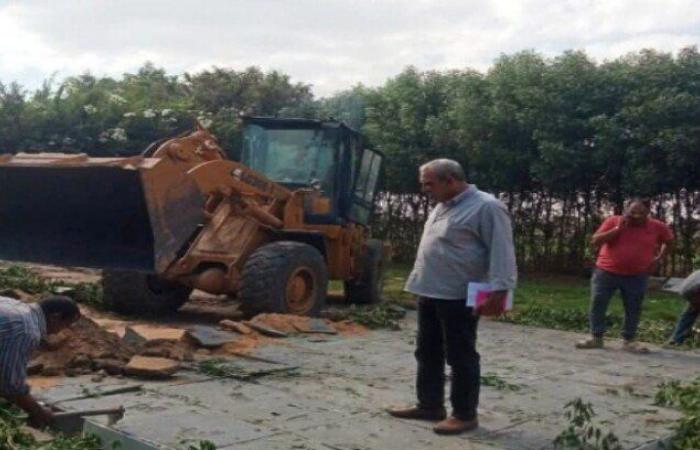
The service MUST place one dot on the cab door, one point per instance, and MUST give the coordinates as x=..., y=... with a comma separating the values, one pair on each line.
x=365, y=186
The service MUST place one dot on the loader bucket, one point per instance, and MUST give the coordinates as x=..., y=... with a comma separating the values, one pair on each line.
x=131, y=218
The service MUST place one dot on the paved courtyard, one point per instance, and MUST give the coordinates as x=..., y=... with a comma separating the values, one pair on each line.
x=335, y=400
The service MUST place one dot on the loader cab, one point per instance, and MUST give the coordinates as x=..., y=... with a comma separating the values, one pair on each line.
x=326, y=156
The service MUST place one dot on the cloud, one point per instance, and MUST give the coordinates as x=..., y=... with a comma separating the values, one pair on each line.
x=331, y=44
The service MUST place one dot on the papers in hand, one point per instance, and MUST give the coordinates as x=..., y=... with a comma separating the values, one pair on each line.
x=477, y=293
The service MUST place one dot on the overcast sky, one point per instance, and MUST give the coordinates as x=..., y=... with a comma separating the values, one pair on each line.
x=331, y=44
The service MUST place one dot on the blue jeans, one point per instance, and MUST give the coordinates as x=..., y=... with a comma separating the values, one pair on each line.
x=685, y=324
x=603, y=287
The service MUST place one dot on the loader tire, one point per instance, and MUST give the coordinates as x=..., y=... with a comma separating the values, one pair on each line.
x=136, y=293
x=367, y=289
x=284, y=277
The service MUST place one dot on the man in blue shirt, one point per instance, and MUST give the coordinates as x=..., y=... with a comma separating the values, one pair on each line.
x=22, y=328
x=467, y=238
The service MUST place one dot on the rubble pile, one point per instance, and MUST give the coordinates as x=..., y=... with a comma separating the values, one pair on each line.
x=291, y=324
x=84, y=348
x=88, y=348
x=157, y=351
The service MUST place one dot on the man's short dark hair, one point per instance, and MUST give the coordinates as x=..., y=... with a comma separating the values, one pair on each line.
x=641, y=200
x=60, y=305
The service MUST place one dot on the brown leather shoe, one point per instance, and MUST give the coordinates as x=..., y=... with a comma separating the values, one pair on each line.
x=634, y=347
x=418, y=413
x=592, y=342
x=453, y=425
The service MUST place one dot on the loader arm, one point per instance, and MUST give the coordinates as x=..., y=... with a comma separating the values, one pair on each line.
x=242, y=211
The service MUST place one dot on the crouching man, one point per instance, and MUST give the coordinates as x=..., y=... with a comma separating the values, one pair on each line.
x=690, y=291
x=22, y=328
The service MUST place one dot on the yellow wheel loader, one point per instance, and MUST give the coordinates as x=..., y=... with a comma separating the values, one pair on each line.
x=270, y=230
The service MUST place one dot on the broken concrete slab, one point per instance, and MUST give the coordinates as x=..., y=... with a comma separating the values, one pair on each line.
x=189, y=426
x=151, y=367
x=111, y=438
x=315, y=325
x=238, y=327
x=137, y=335
x=267, y=331
x=210, y=337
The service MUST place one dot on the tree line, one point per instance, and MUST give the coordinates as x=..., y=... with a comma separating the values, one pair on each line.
x=562, y=141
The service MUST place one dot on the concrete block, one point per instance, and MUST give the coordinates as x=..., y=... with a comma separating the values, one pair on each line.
x=210, y=337
x=151, y=367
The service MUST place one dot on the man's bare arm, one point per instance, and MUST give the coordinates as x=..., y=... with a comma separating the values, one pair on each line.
x=38, y=415
x=664, y=249
x=607, y=236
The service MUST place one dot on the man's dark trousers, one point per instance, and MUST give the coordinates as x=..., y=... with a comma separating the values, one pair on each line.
x=447, y=332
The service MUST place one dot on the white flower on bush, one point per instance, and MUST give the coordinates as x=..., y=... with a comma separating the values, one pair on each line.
x=166, y=112
x=130, y=114
x=90, y=109
x=118, y=134
x=116, y=98
x=68, y=141
x=149, y=114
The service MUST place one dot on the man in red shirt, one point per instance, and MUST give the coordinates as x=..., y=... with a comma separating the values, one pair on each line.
x=631, y=247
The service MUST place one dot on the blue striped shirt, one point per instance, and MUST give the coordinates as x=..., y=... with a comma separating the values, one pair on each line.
x=22, y=327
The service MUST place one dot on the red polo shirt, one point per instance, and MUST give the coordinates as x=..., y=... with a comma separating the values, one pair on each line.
x=634, y=249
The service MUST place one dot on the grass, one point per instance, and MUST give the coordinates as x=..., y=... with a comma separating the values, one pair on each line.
x=25, y=279
x=563, y=293
x=562, y=302
x=31, y=282
x=13, y=437
x=573, y=293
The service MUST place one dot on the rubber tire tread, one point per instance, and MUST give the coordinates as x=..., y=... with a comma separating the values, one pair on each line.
x=368, y=288
x=130, y=293
x=265, y=273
